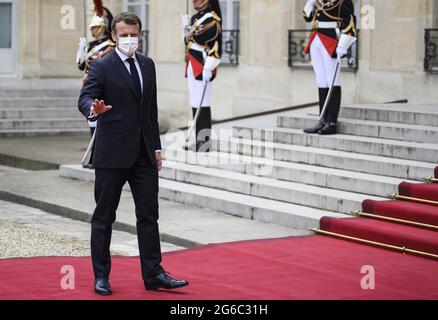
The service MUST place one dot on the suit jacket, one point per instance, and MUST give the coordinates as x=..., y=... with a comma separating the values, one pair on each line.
x=119, y=130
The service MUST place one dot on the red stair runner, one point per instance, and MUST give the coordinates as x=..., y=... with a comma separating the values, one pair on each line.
x=384, y=232
x=404, y=210
x=312, y=267
x=427, y=191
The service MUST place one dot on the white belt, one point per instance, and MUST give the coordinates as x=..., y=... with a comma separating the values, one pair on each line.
x=325, y=25
x=197, y=47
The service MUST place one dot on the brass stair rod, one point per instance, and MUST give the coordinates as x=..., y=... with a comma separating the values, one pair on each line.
x=399, y=197
x=403, y=250
x=409, y=222
x=431, y=180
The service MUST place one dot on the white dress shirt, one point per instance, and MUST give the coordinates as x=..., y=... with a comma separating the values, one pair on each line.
x=124, y=57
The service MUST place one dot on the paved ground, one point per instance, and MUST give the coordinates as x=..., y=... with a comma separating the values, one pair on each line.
x=179, y=224
x=54, y=234
x=29, y=232
x=51, y=150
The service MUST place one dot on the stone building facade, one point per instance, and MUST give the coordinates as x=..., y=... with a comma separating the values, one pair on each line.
x=260, y=73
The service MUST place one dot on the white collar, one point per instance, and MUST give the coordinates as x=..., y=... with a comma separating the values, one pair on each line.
x=123, y=56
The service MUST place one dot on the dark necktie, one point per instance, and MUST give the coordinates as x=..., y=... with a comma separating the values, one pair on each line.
x=135, y=76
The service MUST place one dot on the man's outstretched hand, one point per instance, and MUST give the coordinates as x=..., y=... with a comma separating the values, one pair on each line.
x=159, y=160
x=99, y=107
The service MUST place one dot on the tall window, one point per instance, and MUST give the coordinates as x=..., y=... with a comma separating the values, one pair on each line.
x=231, y=31
x=431, y=41
x=230, y=14
x=141, y=8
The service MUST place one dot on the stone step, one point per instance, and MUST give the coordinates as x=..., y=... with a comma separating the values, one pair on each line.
x=363, y=183
x=39, y=113
x=426, y=115
x=377, y=129
x=38, y=93
x=245, y=206
x=43, y=132
x=36, y=124
x=367, y=145
x=39, y=102
x=263, y=187
x=391, y=167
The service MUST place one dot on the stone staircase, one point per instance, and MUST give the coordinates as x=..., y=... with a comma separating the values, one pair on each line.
x=37, y=112
x=282, y=176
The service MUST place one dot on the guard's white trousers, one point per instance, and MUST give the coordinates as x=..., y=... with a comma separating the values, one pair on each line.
x=196, y=88
x=323, y=65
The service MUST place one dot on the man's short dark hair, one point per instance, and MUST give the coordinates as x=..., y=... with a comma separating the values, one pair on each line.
x=127, y=17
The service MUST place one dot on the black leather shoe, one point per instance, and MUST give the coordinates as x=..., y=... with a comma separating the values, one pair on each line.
x=102, y=287
x=164, y=281
x=329, y=128
x=315, y=129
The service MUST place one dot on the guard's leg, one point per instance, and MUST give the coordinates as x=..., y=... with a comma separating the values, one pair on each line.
x=316, y=53
x=203, y=136
x=335, y=100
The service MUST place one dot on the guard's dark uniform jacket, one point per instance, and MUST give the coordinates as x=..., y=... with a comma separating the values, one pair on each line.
x=205, y=40
x=340, y=12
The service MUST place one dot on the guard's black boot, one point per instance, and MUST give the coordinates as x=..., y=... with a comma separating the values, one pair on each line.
x=322, y=97
x=332, y=112
x=203, y=130
x=314, y=129
x=329, y=128
x=334, y=105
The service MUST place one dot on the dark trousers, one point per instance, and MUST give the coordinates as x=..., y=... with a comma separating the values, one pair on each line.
x=143, y=180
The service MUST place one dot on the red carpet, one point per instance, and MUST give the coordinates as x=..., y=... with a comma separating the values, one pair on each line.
x=385, y=232
x=405, y=210
x=428, y=191
x=313, y=267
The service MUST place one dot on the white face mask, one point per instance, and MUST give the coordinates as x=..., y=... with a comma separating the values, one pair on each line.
x=128, y=45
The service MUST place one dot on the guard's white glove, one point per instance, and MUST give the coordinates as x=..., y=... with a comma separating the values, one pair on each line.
x=185, y=22
x=185, y=27
x=345, y=43
x=207, y=75
x=341, y=52
x=309, y=7
x=82, y=51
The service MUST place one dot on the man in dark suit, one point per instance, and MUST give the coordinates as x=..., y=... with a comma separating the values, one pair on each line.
x=120, y=94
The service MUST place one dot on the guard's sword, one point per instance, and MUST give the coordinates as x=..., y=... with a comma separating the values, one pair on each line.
x=87, y=156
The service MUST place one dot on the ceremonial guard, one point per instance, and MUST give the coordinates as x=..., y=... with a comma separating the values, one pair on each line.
x=333, y=33
x=100, y=28
x=203, y=37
